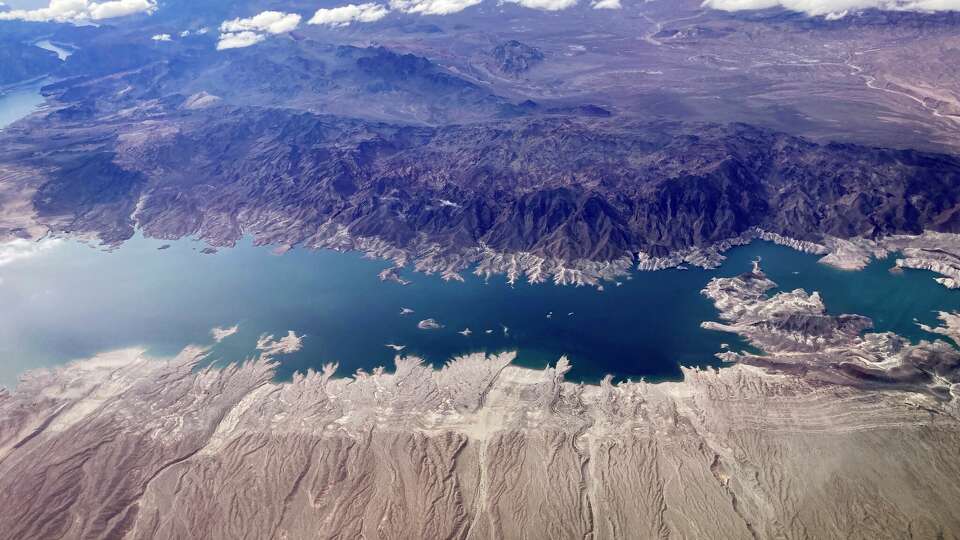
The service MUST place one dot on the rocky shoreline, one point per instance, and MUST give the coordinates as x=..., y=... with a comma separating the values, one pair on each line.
x=937, y=252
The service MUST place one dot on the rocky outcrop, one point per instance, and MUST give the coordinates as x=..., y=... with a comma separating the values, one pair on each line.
x=950, y=328
x=515, y=58
x=796, y=335
x=938, y=253
x=933, y=251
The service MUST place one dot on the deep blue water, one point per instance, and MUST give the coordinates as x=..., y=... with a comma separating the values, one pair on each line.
x=71, y=300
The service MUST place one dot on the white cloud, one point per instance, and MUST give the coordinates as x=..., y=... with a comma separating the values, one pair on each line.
x=185, y=33
x=19, y=248
x=80, y=10
x=545, y=5
x=121, y=8
x=344, y=15
x=239, y=40
x=162, y=37
x=238, y=33
x=432, y=7
x=835, y=9
x=270, y=22
x=606, y=4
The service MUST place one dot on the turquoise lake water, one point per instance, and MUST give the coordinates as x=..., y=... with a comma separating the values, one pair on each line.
x=71, y=300
x=19, y=101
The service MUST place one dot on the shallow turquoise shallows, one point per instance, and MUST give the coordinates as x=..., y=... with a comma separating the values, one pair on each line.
x=71, y=300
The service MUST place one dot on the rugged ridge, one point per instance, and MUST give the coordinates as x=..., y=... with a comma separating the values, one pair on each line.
x=514, y=58
x=563, y=188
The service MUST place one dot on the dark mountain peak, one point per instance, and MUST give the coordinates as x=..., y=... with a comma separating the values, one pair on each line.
x=515, y=58
x=22, y=61
x=384, y=63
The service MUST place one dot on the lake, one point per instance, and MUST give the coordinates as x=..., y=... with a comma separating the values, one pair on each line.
x=19, y=101
x=64, y=300
x=60, y=49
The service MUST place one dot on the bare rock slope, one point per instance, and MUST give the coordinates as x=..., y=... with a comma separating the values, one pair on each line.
x=805, y=446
